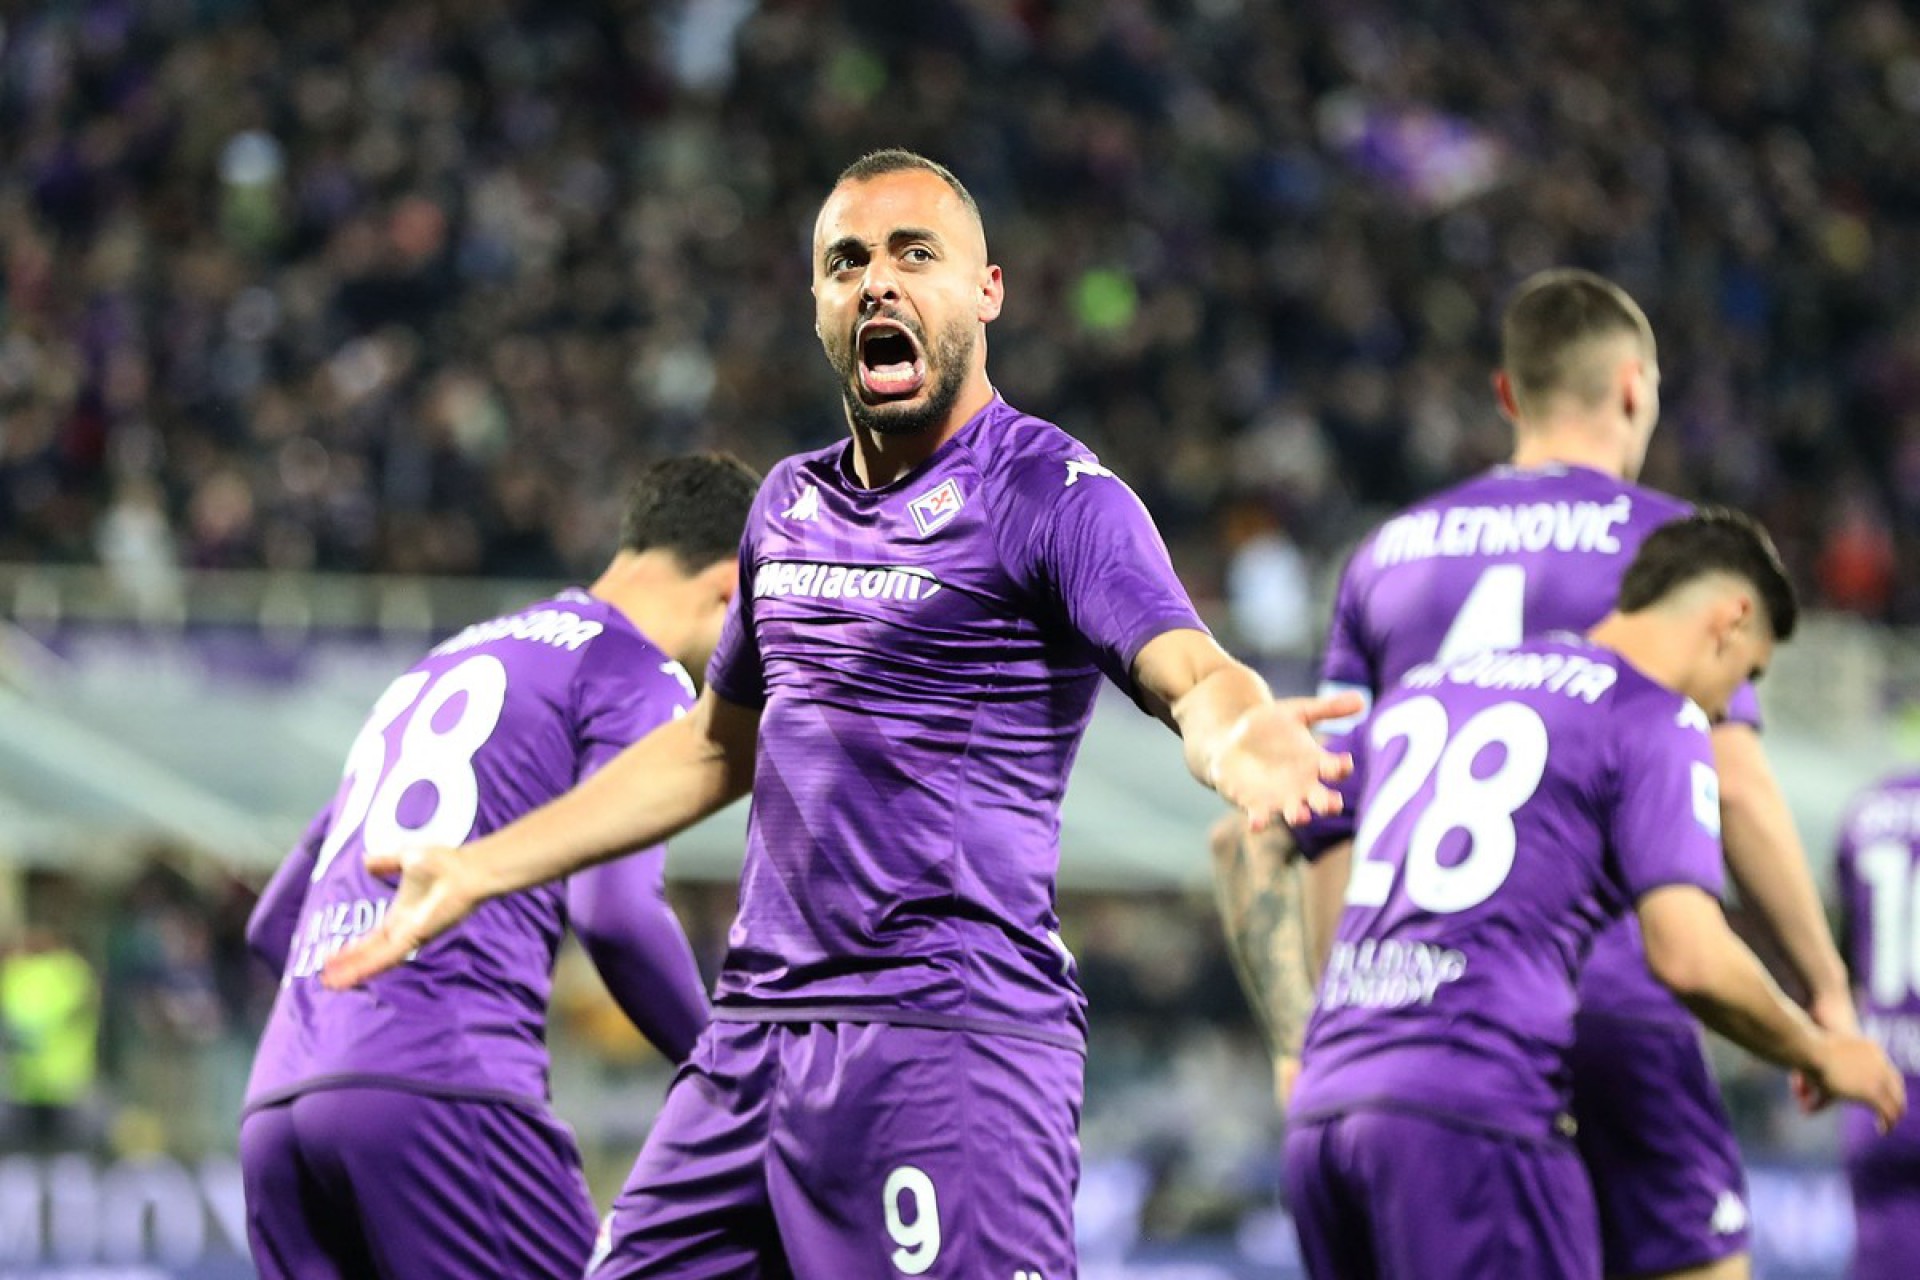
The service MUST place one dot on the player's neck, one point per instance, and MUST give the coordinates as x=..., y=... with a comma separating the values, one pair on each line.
x=1645, y=639
x=1569, y=445
x=649, y=590
x=880, y=459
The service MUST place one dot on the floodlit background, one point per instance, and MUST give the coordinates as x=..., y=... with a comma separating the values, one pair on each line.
x=327, y=328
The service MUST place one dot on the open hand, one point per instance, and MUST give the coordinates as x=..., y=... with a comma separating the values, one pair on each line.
x=431, y=899
x=1272, y=768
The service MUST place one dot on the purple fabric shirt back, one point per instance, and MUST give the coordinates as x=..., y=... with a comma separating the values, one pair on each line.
x=496, y=721
x=1512, y=804
x=926, y=656
x=1878, y=868
x=1507, y=554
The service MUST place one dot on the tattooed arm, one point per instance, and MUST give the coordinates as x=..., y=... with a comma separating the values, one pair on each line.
x=1258, y=886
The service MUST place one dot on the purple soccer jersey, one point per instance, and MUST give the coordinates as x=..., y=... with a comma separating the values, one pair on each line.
x=1511, y=804
x=925, y=656
x=1878, y=868
x=496, y=721
x=1508, y=554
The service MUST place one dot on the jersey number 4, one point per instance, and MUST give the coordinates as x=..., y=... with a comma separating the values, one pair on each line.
x=1493, y=616
x=1481, y=807
x=437, y=746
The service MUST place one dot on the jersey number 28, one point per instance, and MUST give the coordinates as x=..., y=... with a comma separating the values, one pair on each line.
x=437, y=746
x=1481, y=807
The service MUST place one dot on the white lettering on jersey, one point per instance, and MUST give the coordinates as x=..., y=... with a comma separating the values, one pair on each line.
x=1567, y=673
x=1388, y=974
x=1077, y=467
x=1453, y=532
x=810, y=581
x=1894, y=813
x=806, y=506
x=561, y=628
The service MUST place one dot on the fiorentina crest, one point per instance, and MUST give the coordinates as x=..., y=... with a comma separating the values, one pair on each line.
x=936, y=506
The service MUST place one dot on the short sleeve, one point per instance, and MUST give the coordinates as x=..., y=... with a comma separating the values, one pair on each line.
x=1664, y=827
x=735, y=671
x=1348, y=665
x=624, y=690
x=1088, y=541
x=1745, y=708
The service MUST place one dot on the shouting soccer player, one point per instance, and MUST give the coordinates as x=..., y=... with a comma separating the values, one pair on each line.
x=1510, y=805
x=1526, y=548
x=893, y=1080
x=403, y=1129
x=1878, y=867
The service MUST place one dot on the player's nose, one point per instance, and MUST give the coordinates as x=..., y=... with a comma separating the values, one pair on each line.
x=880, y=284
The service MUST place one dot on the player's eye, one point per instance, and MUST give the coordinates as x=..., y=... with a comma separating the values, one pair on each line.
x=918, y=254
x=840, y=262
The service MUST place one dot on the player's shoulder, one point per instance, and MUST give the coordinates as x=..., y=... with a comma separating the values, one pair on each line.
x=1027, y=456
x=1643, y=707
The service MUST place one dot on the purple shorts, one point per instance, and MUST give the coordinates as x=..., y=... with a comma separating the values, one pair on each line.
x=1658, y=1145
x=1379, y=1194
x=1884, y=1176
x=352, y=1183
x=849, y=1151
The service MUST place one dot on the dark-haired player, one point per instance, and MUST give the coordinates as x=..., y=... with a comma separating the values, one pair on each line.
x=1509, y=805
x=1533, y=546
x=402, y=1129
x=892, y=1082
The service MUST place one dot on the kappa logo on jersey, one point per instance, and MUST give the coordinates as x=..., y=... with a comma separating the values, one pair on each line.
x=1693, y=716
x=806, y=506
x=1729, y=1215
x=1077, y=467
x=937, y=506
x=680, y=676
x=1706, y=796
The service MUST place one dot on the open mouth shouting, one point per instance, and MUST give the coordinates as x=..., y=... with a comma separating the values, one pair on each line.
x=891, y=364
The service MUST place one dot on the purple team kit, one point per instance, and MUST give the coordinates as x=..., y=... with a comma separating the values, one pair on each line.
x=420, y=1099
x=1512, y=804
x=1519, y=552
x=925, y=657
x=1878, y=863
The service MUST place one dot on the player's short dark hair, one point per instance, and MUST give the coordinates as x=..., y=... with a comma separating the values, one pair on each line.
x=1711, y=540
x=1550, y=319
x=877, y=164
x=694, y=506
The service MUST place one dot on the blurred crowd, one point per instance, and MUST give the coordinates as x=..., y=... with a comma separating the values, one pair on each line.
x=410, y=286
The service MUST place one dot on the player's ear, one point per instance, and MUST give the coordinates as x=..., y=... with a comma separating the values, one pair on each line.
x=1503, y=392
x=993, y=295
x=722, y=579
x=1630, y=388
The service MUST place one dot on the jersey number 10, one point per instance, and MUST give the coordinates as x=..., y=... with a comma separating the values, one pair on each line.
x=1887, y=867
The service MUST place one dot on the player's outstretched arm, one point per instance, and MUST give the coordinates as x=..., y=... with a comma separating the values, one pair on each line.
x=1259, y=753
x=662, y=784
x=1691, y=950
x=1768, y=863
